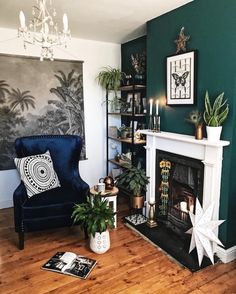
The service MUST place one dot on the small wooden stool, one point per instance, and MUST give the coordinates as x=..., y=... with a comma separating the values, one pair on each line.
x=111, y=198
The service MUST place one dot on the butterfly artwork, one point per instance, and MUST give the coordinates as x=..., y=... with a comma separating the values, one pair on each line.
x=181, y=76
x=180, y=81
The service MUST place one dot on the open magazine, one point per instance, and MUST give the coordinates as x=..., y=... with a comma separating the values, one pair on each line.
x=69, y=263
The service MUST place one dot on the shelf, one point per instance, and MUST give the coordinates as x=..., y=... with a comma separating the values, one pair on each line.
x=120, y=163
x=128, y=140
x=127, y=114
x=132, y=87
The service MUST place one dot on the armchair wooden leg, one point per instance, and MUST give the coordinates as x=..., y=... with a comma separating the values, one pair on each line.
x=21, y=240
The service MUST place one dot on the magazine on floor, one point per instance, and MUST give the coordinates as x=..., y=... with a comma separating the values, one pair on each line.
x=69, y=263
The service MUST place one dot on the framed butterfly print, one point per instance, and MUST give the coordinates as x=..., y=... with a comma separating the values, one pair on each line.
x=181, y=78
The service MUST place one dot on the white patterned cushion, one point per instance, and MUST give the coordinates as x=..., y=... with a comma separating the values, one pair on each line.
x=37, y=173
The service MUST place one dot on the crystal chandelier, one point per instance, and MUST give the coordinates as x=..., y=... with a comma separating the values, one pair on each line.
x=43, y=29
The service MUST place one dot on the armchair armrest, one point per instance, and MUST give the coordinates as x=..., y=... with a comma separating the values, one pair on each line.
x=81, y=187
x=19, y=197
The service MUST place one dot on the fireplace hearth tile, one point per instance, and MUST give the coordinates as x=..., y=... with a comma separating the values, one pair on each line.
x=172, y=244
x=136, y=219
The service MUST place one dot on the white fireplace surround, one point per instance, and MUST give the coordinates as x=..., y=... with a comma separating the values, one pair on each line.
x=210, y=153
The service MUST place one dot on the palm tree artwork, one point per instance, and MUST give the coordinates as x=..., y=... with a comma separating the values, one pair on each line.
x=70, y=103
x=20, y=99
x=38, y=98
x=3, y=90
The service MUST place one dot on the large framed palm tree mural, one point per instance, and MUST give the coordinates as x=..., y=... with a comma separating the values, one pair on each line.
x=38, y=97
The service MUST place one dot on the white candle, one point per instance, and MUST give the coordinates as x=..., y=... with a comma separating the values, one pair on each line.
x=65, y=22
x=151, y=101
x=183, y=206
x=22, y=19
x=157, y=106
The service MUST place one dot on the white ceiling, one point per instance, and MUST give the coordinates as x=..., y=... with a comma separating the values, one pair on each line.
x=115, y=21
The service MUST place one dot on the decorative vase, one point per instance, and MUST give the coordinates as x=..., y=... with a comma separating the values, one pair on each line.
x=137, y=202
x=100, y=243
x=198, y=132
x=213, y=133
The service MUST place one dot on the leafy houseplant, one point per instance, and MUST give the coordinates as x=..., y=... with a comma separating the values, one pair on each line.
x=215, y=115
x=96, y=217
x=110, y=78
x=124, y=131
x=136, y=181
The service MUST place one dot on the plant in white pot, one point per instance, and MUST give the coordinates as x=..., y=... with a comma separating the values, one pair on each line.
x=96, y=217
x=214, y=116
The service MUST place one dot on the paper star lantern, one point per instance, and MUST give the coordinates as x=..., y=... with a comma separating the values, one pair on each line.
x=203, y=236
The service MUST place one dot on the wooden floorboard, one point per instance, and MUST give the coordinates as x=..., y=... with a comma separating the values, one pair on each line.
x=132, y=265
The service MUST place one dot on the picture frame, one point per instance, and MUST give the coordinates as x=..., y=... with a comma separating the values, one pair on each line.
x=181, y=78
x=137, y=100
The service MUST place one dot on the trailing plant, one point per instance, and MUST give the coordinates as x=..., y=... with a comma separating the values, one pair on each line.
x=195, y=117
x=95, y=215
x=135, y=178
x=110, y=78
x=215, y=115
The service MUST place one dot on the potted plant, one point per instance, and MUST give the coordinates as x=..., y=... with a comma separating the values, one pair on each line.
x=124, y=131
x=214, y=116
x=135, y=180
x=195, y=118
x=96, y=217
x=110, y=79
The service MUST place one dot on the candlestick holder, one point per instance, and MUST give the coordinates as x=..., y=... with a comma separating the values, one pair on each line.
x=151, y=222
x=150, y=123
x=157, y=124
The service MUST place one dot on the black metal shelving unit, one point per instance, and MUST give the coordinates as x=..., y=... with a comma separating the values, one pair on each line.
x=126, y=117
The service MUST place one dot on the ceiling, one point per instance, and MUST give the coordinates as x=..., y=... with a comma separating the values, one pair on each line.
x=102, y=20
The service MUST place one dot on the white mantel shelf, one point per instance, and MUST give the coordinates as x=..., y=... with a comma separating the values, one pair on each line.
x=209, y=153
x=185, y=138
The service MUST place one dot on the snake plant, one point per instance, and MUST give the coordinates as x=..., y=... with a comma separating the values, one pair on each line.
x=214, y=115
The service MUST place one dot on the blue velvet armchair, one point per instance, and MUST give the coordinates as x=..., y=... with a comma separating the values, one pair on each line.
x=51, y=208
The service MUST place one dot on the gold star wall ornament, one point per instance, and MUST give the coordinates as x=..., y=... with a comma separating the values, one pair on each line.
x=181, y=41
x=203, y=236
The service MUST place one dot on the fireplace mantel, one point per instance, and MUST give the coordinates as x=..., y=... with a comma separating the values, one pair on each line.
x=210, y=153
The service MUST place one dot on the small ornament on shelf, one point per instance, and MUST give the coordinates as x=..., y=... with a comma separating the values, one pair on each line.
x=139, y=65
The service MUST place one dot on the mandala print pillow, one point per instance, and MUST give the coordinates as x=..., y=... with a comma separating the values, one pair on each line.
x=37, y=173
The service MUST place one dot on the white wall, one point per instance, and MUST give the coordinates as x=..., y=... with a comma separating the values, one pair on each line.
x=95, y=55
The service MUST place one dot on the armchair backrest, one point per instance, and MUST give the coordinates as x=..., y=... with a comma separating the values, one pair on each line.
x=64, y=149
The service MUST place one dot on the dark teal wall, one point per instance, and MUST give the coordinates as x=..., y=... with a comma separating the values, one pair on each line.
x=212, y=27
x=132, y=47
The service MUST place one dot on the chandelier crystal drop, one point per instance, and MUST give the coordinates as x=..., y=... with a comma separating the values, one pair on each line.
x=43, y=29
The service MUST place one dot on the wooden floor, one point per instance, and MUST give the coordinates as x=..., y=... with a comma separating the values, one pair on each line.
x=132, y=265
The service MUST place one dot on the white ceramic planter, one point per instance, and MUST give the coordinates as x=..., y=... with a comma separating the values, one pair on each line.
x=213, y=133
x=100, y=243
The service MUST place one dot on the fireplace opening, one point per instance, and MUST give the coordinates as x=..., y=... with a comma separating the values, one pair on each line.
x=179, y=180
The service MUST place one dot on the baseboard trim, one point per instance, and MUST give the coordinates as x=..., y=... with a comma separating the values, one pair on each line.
x=6, y=204
x=226, y=255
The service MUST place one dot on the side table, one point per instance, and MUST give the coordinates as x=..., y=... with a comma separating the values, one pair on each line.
x=111, y=197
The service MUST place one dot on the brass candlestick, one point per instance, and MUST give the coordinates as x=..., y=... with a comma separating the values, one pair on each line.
x=151, y=222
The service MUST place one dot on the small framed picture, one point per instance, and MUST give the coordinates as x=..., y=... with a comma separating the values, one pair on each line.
x=181, y=78
x=137, y=100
